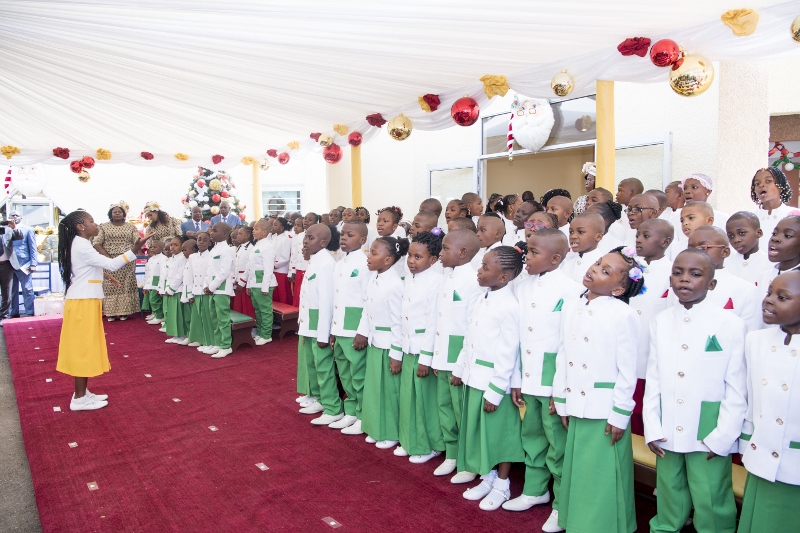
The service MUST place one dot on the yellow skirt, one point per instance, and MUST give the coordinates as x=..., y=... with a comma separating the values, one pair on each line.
x=82, y=350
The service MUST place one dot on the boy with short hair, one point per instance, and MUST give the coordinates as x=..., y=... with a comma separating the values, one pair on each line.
x=152, y=280
x=219, y=285
x=561, y=207
x=474, y=205
x=626, y=190
x=675, y=202
x=640, y=208
x=260, y=281
x=585, y=233
x=692, y=216
x=491, y=229
x=747, y=261
x=695, y=404
x=462, y=223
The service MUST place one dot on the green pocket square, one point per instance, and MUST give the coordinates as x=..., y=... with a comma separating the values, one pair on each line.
x=312, y=277
x=354, y=273
x=712, y=344
x=456, y=296
x=559, y=305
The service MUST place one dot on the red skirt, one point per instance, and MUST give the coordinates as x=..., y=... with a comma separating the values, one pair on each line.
x=637, y=424
x=241, y=303
x=283, y=292
x=298, y=282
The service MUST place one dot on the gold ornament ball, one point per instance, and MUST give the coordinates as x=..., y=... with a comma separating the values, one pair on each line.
x=325, y=140
x=263, y=164
x=400, y=127
x=796, y=30
x=693, y=77
x=214, y=209
x=83, y=176
x=215, y=185
x=562, y=83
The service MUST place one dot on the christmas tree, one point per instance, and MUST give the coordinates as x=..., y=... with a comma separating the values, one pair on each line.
x=208, y=189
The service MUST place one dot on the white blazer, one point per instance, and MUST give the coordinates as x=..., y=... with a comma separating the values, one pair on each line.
x=749, y=269
x=696, y=386
x=87, y=269
x=199, y=263
x=296, y=261
x=769, y=221
x=419, y=314
x=621, y=229
x=220, y=274
x=162, y=281
x=491, y=346
x=478, y=259
x=283, y=252
x=260, y=263
x=770, y=440
x=175, y=274
x=350, y=281
x=152, y=272
x=650, y=304
x=188, y=280
x=242, y=257
x=541, y=301
x=316, y=298
x=457, y=295
x=575, y=265
x=596, y=362
x=382, y=307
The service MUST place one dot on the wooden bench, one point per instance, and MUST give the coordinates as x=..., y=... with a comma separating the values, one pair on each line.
x=644, y=468
x=240, y=330
x=286, y=316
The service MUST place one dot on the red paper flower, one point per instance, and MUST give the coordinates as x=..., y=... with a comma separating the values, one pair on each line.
x=224, y=194
x=147, y=155
x=315, y=136
x=63, y=153
x=272, y=153
x=376, y=120
x=217, y=159
x=634, y=46
x=88, y=162
x=432, y=100
x=76, y=166
x=215, y=198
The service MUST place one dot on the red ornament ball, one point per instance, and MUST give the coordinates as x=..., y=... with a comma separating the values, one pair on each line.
x=76, y=166
x=355, y=139
x=283, y=158
x=332, y=153
x=215, y=198
x=224, y=194
x=664, y=53
x=88, y=162
x=465, y=111
x=241, y=216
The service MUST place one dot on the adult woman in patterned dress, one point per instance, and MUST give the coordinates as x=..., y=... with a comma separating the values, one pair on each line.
x=162, y=226
x=114, y=238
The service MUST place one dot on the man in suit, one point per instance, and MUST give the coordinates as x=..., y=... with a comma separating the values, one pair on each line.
x=8, y=263
x=225, y=216
x=196, y=224
x=27, y=261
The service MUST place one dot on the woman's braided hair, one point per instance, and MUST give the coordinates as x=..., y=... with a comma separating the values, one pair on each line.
x=67, y=231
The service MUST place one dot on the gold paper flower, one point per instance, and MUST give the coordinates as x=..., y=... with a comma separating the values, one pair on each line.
x=181, y=156
x=424, y=105
x=9, y=151
x=248, y=160
x=341, y=129
x=103, y=154
x=494, y=85
x=215, y=185
x=741, y=21
x=294, y=145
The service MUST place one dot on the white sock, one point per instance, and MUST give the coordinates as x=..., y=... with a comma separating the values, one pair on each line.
x=501, y=484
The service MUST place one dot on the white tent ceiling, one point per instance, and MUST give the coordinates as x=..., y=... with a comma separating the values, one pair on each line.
x=238, y=77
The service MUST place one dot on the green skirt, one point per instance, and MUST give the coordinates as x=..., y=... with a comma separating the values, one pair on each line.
x=769, y=506
x=597, y=480
x=420, y=432
x=173, y=314
x=303, y=386
x=486, y=439
x=380, y=413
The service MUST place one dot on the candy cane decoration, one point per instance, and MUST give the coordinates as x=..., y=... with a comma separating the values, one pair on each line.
x=8, y=180
x=510, y=138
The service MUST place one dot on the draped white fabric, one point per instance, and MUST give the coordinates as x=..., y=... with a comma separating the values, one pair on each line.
x=238, y=77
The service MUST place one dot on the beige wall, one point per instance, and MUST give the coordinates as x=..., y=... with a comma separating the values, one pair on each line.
x=539, y=172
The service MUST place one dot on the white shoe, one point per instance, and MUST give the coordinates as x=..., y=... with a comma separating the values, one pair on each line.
x=301, y=399
x=498, y=495
x=313, y=409
x=111, y=319
x=203, y=348
x=325, y=420
x=223, y=352
x=344, y=422
x=194, y=344
x=156, y=321
x=463, y=477
x=211, y=350
x=480, y=491
x=183, y=342
x=123, y=318
x=446, y=468
x=261, y=341
x=101, y=397
x=523, y=503
x=86, y=403
x=151, y=316
x=310, y=400
x=386, y=444
x=400, y=451
x=551, y=526
x=355, y=429
x=370, y=440
x=419, y=459
x=171, y=340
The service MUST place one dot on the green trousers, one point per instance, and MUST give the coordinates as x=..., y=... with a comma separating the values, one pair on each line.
x=420, y=431
x=197, y=333
x=352, y=366
x=262, y=303
x=685, y=480
x=769, y=506
x=174, y=319
x=221, y=316
x=450, y=400
x=326, y=378
x=543, y=439
x=306, y=373
x=145, y=302
x=156, y=303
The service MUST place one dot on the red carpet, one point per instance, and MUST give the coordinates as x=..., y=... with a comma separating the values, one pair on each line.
x=158, y=467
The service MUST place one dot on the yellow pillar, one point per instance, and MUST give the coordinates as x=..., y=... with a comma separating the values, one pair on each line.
x=256, y=192
x=606, y=137
x=355, y=174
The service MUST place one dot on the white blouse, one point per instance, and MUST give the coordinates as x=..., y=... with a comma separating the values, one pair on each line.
x=87, y=269
x=383, y=307
x=419, y=314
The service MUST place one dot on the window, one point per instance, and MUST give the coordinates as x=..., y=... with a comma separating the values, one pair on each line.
x=278, y=202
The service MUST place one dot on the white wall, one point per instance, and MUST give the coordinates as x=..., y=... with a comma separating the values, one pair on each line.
x=784, y=87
